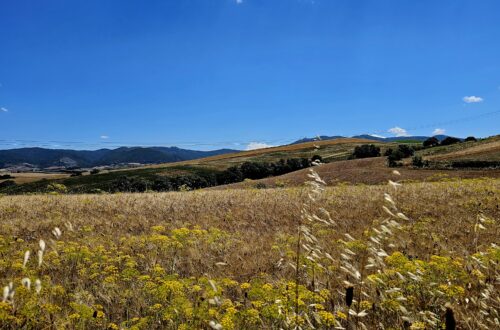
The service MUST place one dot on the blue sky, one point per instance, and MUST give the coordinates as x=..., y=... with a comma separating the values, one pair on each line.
x=205, y=74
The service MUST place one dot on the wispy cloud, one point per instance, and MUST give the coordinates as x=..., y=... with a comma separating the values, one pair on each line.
x=398, y=131
x=377, y=136
x=257, y=145
x=104, y=137
x=439, y=131
x=472, y=99
x=4, y=109
x=239, y=2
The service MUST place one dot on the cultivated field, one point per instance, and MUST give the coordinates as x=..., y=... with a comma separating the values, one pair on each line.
x=364, y=171
x=423, y=256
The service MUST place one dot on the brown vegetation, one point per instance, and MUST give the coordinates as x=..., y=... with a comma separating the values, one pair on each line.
x=363, y=171
x=218, y=259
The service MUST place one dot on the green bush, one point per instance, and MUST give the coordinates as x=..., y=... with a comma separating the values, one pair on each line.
x=366, y=151
x=431, y=142
x=450, y=140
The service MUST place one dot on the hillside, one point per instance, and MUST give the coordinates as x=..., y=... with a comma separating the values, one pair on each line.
x=486, y=149
x=219, y=170
x=361, y=171
x=43, y=158
x=329, y=150
x=372, y=137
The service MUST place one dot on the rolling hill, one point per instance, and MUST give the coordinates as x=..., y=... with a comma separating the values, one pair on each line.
x=210, y=171
x=371, y=137
x=43, y=158
x=361, y=171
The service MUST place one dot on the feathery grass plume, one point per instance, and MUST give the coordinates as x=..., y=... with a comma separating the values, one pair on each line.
x=6, y=292
x=394, y=184
x=42, y=245
x=307, y=242
x=26, y=258
x=26, y=282
x=38, y=285
x=215, y=325
x=40, y=257
x=57, y=232
x=69, y=225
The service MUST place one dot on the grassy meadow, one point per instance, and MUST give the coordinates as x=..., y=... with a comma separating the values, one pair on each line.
x=390, y=256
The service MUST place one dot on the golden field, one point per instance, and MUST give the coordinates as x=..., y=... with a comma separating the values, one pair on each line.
x=423, y=256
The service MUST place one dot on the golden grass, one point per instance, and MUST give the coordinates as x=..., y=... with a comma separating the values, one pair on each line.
x=483, y=151
x=202, y=259
x=20, y=178
x=363, y=171
x=487, y=149
x=247, y=155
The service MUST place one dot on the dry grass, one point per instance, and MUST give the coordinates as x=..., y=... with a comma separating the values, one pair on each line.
x=484, y=151
x=363, y=171
x=133, y=259
x=20, y=178
x=487, y=149
x=273, y=153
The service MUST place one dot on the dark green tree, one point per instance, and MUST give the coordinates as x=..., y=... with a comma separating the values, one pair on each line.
x=431, y=142
x=365, y=151
x=449, y=141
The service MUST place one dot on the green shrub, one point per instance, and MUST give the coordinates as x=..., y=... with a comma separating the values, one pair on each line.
x=366, y=151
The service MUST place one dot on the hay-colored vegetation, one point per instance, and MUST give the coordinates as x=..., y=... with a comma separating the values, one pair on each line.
x=364, y=171
x=330, y=150
x=28, y=177
x=487, y=149
x=221, y=259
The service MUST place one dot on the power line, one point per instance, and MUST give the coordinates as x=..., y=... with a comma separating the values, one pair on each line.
x=109, y=144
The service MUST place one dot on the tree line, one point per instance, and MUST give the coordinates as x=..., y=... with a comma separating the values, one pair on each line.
x=233, y=174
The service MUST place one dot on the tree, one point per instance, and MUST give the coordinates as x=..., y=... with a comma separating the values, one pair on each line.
x=470, y=139
x=231, y=175
x=95, y=171
x=7, y=183
x=450, y=140
x=406, y=150
x=431, y=142
x=394, y=158
x=365, y=151
x=417, y=161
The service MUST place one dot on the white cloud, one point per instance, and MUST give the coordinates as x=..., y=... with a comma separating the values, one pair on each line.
x=104, y=137
x=398, y=131
x=439, y=131
x=258, y=145
x=472, y=99
x=239, y=2
x=4, y=109
x=377, y=136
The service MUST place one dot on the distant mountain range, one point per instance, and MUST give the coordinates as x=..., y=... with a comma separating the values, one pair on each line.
x=44, y=158
x=372, y=137
x=65, y=158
